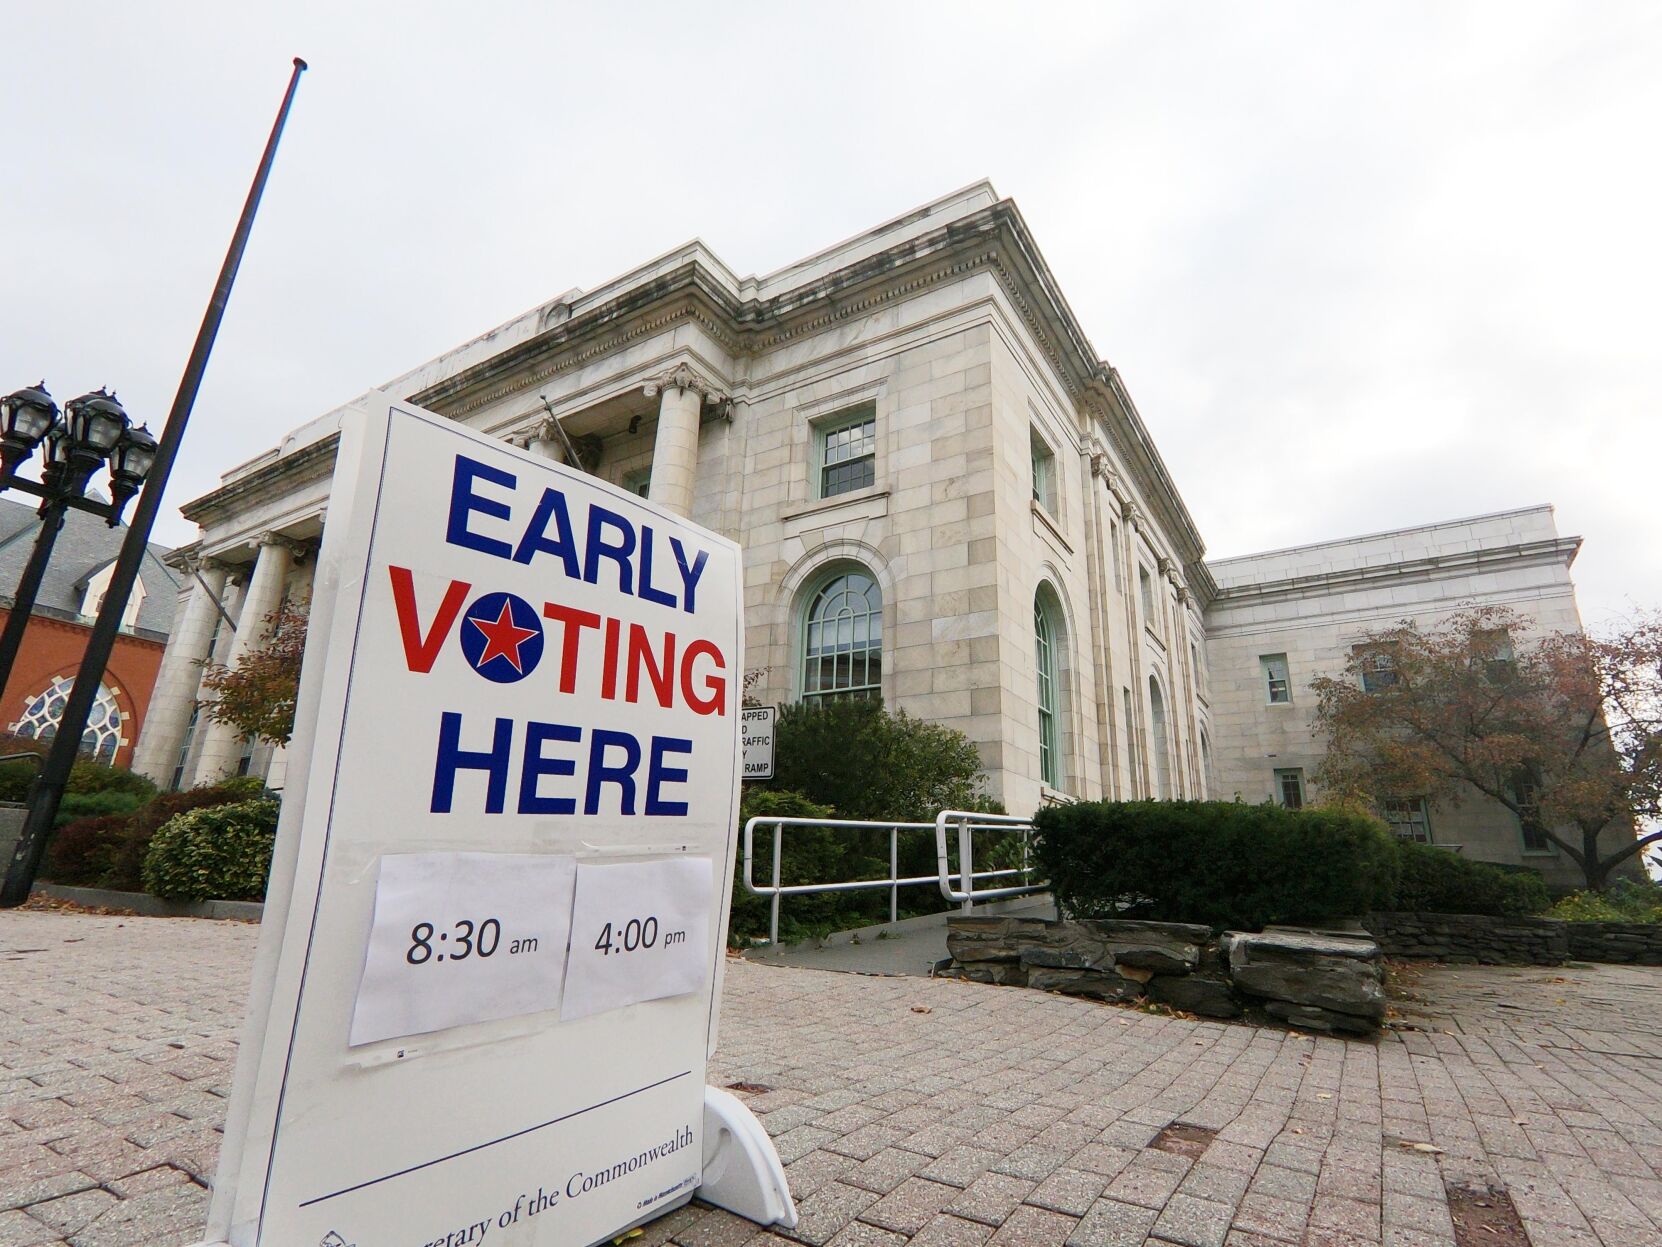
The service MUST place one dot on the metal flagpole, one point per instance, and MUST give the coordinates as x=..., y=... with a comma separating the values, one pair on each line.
x=48, y=788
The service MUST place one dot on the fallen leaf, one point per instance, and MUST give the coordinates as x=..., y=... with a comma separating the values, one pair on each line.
x=1430, y=1148
x=1324, y=1095
x=922, y=1009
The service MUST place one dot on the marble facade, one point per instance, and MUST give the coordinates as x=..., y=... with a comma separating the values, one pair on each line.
x=916, y=406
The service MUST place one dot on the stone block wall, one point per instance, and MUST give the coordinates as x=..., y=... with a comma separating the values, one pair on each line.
x=1624, y=943
x=1475, y=939
x=1471, y=939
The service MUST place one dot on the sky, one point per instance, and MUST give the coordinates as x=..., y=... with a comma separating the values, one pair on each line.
x=1361, y=267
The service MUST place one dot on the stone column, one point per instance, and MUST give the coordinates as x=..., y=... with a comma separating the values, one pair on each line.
x=222, y=743
x=177, y=683
x=675, y=451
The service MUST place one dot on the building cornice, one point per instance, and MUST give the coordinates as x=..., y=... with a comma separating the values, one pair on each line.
x=1556, y=550
x=273, y=479
x=994, y=239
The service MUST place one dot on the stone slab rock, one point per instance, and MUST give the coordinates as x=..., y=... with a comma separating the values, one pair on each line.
x=1160, y=947
x=1310, y=1018
x=1097, y=984
x=1195, y=993
x=993, y=939
x=1064, y=945
x=1003, y=973
x=1335, y=974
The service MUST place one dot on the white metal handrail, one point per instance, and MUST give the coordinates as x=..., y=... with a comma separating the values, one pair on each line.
x=969, y=823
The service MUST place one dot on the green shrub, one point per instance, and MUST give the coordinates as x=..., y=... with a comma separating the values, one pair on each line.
x=107, y=850
x=1625, y=901
x=84, y=853
x=1434, y=880
x=1225, y=864
x=219, y=853
x=868, y=763
x=797, y=862
x=78, y=805
x=87, y=777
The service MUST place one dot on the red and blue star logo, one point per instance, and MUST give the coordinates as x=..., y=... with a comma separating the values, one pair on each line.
x=502, y=637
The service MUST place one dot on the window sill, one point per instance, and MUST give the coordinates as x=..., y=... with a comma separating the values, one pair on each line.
x=1054, y=796
x=1045, y=525
x=868, y=503
x=1154, y=636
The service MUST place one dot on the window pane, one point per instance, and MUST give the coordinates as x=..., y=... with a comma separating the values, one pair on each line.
x=842, y=639
x=1290, y=786
x=1045, y=662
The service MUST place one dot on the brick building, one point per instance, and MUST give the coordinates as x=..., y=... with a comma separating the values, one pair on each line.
x=69, y=597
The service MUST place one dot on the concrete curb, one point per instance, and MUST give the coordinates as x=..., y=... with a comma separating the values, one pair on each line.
x=153, y=906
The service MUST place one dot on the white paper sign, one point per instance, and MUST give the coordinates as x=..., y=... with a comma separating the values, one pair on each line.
x=463, y=937
x=756, y=737
x=639, y=931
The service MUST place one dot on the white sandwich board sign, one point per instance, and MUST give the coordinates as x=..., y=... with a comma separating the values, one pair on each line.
x=489, y=974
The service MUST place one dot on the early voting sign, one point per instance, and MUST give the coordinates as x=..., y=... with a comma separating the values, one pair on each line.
x=487, y=982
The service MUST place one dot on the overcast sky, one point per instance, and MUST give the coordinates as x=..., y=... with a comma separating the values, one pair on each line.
x=1360, y=268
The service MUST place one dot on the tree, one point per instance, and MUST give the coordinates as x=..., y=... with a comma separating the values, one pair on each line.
x=258, y=694
x=1565, y=732
x=867, y=763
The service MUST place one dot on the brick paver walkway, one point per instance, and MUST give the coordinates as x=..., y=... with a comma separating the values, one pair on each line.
x=913, y=1111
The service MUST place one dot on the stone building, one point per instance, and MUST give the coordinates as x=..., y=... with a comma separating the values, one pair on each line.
x=83, y=560
x=1282, y=618
x=945, y=498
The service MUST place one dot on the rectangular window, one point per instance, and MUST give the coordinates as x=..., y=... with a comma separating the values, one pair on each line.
x=1145, y=584
x=1274, y=668
x=1114, y=542
x=1289, y=787
x=1131, y=740
x=1529, y=825
x=638, y=482
x=1044, y=472
x=184, y=746
x=1379, y=668
x=1494, y=650
x=848, y=453
x=1409, y=819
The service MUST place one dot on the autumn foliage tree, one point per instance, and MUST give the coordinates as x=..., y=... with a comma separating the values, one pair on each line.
x=257, y=695
x=1565, y=731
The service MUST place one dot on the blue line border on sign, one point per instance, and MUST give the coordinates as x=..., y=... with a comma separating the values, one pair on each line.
x=426, y=418
x=477, y=1147
x=329, y=822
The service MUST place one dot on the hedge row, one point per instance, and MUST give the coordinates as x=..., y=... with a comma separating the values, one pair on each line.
x=1232, y=865
x=108, y=850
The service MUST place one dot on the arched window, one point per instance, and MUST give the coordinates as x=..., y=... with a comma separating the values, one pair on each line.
x=1044, y=632
x=842, y=638
x=103, y=733
x=1157, y=744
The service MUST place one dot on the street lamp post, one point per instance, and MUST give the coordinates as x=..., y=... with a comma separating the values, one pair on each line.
x=152, y=469
x=92, y=431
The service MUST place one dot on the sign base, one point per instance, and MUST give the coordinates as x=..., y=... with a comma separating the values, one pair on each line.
x=742, y=1169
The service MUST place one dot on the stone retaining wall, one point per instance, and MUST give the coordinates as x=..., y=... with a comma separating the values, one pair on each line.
x=1625, y=943
x=1474, y=939
x=1471, y=939
x=1309, y=979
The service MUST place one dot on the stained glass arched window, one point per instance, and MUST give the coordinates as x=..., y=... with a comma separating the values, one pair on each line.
x=842, y=639
x=103, y=735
